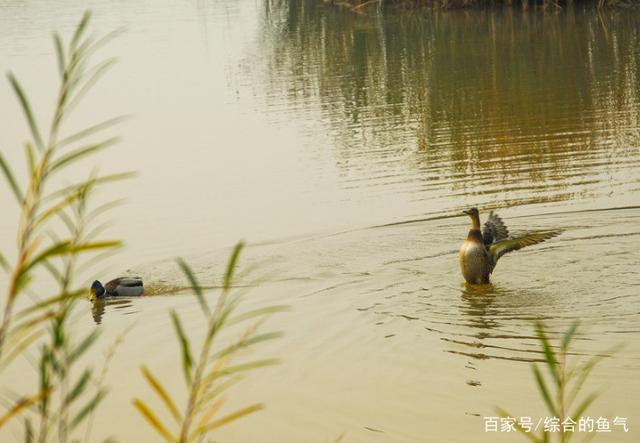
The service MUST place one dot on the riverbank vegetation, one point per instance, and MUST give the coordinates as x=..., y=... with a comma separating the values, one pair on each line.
x=358, y=5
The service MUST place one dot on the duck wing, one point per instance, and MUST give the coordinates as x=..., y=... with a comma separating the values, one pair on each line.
x=501, y=247
x=494, y=229
x=116, y=285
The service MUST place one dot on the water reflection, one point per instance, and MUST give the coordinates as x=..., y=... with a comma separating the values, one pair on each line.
x=505, y=106
x=99, y=306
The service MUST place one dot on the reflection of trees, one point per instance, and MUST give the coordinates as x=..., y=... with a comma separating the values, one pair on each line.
x=492, y=100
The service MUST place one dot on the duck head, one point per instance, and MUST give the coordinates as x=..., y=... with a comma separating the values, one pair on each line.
x=475, y=217
x=97, y=290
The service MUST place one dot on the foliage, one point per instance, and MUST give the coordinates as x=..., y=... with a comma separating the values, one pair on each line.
x=561, y=388
x=61, y=403
x=208, y=377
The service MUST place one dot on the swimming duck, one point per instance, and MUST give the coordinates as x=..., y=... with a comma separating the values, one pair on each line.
x=481, y=250
x=122, y=286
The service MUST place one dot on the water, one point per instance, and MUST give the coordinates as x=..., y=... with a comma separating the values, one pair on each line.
x=342, y=147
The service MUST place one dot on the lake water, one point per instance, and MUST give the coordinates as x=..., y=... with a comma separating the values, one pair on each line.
x=342, y=147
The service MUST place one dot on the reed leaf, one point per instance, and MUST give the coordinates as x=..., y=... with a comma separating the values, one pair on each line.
x=26, y=108
x=87, y=409
x=21, y=405
x=148, y=414
x=195, y=286
x=57, y=40
x=582, y=407
x=542, y=386
x=91, y=130
x=258, y=313
x=66, y=296
x=549, y=355
x=82, y=347
x=583, y=374
x=13, y=184
x=569, y=335
x=94, y=76
x=187, y=359
x=4, y=263
x=231, y=266
x=79, y=387
x=94, y=181
x=232, y=417
x=207, y=416
x=79, y=31
x=31, y=158
x=162, y=393
x=243, y=367
x=244, y=343
x=79, y=153
x=56, y=209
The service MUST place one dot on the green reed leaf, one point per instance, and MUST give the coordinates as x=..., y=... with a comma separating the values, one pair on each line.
x=91, y=130
x=79, y=387
x=29, y=434
x=258, y=313
x=13, y=184
x=186, y=270
x=31, y=157
x=79, y=153
x=82, y=347
x=153, y=420
x=26, y=108
x=581, y=378
x=232, y=417
x=88, y=408
x=231, y=266
x=61, y=298
x=79, y=31
x=582, y=407
x=543, y=390
x=162, y=393
x=216, y=390
x=94, y=181
x=245, y=343
x=57, y=40
x=187, y=359
x=55, y=209
x=249, y=366
x=97, y=72
x=550, y=356
x=569, y=335
x=4, y=263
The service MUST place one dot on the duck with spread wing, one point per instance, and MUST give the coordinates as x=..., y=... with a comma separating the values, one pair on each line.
x=482, y=249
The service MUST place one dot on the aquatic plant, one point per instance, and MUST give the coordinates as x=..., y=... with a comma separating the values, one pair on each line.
x=213, y=373
x=561, y=392
x=56, y=229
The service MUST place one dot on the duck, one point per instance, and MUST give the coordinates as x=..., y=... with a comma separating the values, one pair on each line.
x=121, y=286
x=482, y=249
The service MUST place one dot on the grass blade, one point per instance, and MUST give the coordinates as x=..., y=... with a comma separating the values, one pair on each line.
x=153, y=420
x=187, y=359
x=80, y=153
x=20, y=405
x=162, y=393
x=249, y=366
x=257, y=313
x=57, y=40
x=244, y=343
x=87, y=409
x=80, y=386
x=231, y=266
x=233, y=416
x=91, y=130
x=186, y=270
x=26, y=108
x=543, y=390
x=549, y=355
x=17, y=192
x=83, y=346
